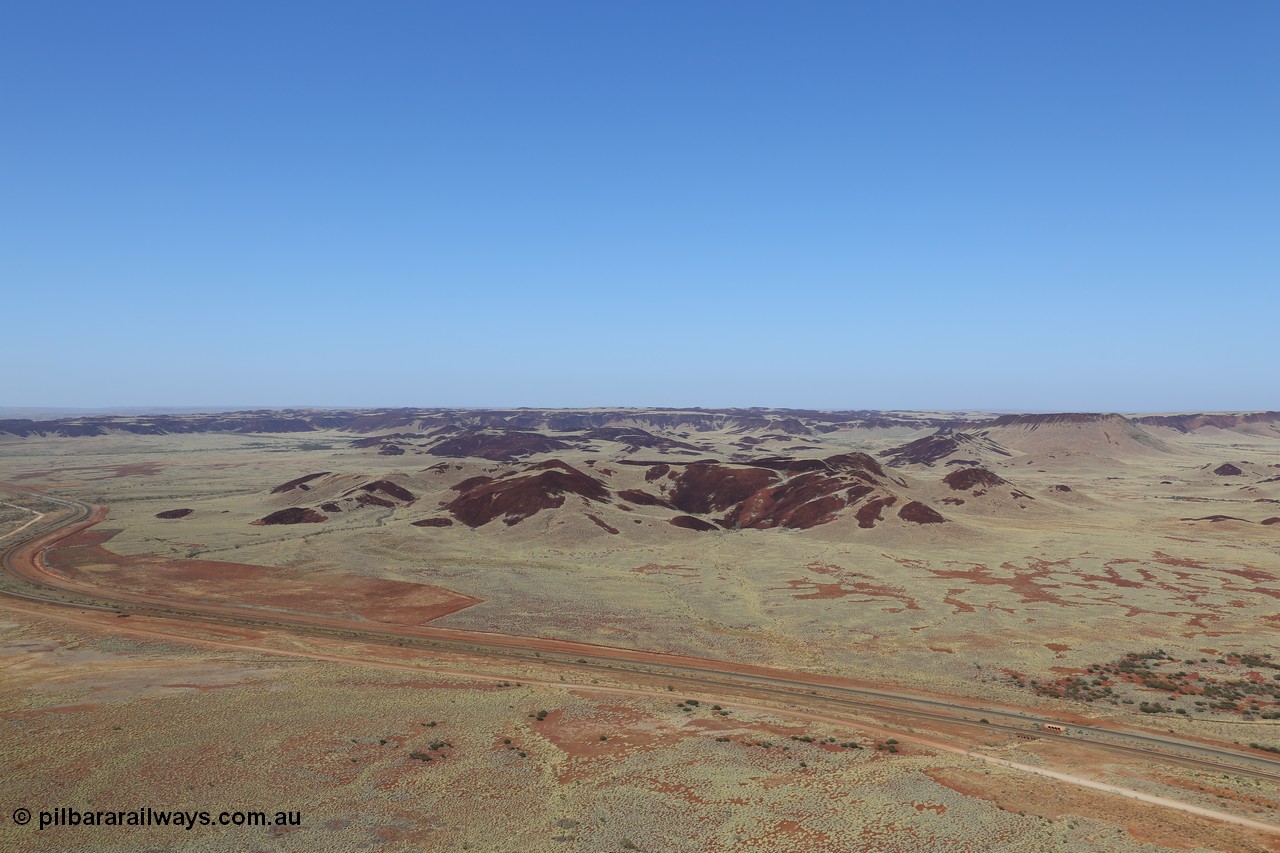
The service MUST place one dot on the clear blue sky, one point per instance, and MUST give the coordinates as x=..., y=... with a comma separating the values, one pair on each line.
x=1041, y=206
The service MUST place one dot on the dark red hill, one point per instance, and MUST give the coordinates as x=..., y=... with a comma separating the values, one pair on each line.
x=482, y=499
x=498, y=447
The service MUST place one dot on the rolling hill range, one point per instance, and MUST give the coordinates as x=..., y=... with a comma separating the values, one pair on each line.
x=922, y=543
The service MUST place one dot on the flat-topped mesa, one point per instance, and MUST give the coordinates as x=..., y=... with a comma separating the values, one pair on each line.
x=1249, y=423
x=1091, y=433
x=1035, y=421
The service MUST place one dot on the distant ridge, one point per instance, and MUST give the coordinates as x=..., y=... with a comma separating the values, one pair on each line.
x=1250, y=423
x=1080, y=432
x=632, y=421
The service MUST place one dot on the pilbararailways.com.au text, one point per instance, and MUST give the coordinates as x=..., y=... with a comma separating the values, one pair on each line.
x=149, y=817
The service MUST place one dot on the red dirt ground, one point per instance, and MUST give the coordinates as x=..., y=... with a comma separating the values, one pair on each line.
x=394, y=602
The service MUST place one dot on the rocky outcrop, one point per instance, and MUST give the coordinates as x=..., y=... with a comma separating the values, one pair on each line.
x=515, y=498
x=688, y=522
x=299, y=483
x=293, y=515
x=920, y=514
x=963, y=479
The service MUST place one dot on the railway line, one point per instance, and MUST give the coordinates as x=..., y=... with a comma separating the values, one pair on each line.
x=26, y=577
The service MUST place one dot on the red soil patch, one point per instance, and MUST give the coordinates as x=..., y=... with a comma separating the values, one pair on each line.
x=174, y=513
x=1113, y=577
x=953, y=599
x=483, y=499
x=390, y=450
x=299, y=483
x=135, y=469
x=869, y=513
x=330, y=507
x=628, y=730
x=373, y=500
x=848, y=583
x=1226, y=469
x=83, y=556
x=1272, y=520
x=433, y=522
x=1023, y=581
x=688, y=522
x=920, y=514
x=292, y=515
x=963, y=479
x=601, y=524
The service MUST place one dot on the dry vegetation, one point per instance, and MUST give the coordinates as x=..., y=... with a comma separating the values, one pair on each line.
x=1036, y=563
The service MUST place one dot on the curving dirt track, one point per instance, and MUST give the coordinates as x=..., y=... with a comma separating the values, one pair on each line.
x=27, y=576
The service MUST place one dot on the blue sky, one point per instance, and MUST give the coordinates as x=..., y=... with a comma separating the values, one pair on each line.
x=1070, y=206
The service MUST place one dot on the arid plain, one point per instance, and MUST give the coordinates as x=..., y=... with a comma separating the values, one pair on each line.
x=1095, y=571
